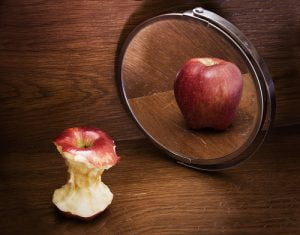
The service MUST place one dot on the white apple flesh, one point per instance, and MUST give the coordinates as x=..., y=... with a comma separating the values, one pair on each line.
x=87, y=153
x=208, y=92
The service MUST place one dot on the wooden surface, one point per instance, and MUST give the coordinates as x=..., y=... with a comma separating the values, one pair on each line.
x=154, y=195
x=57, y=70
x=57, y=61
x=160, y=116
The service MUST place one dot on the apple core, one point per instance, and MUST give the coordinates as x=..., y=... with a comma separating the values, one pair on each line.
x=88, y=152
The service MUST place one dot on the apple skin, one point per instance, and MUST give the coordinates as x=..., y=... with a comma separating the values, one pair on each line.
x=88, y=143
x=208, y=92
x=87, y=153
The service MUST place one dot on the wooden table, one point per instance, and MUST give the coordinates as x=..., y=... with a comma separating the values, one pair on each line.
x=57, y=70
x=154, y=195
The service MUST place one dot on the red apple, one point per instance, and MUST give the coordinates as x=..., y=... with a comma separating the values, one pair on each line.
x=208, y=92
x=87, y=152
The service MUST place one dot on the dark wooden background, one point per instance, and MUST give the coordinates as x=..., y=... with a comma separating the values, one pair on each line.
x=57, y=70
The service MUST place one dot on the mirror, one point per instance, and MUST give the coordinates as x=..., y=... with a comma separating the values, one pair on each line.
x=151, y=58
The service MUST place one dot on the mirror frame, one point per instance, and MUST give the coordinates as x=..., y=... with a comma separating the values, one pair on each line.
x=257, y=67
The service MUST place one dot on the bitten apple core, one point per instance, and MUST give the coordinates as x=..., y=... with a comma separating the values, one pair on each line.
x=88, y=152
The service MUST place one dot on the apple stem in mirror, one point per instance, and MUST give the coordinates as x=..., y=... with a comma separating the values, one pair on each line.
x=87, y=153
x=208, y=92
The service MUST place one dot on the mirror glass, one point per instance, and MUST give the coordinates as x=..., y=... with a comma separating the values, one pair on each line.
x=150, y=63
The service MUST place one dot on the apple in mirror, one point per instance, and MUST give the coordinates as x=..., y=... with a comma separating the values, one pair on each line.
x=208, y=92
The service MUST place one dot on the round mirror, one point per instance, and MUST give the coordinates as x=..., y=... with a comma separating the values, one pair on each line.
x=150, y=60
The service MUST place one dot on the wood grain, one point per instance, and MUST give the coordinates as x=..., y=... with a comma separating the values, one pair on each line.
x=57, y=69
x=57, y=61
x=154, y=195
x=161, y=118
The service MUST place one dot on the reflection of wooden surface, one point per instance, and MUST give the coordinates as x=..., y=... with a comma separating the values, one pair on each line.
x=157, y=52
x=150, y=64
x=162, y=119
x=154, y=195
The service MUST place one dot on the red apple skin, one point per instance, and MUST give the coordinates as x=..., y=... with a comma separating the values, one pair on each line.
x=88, y=152
x=208, y=92
x=95, y=143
